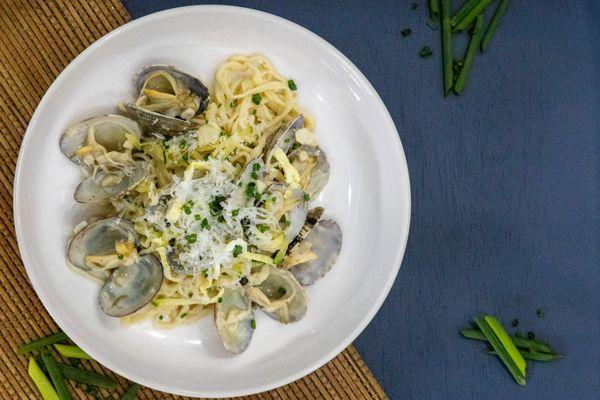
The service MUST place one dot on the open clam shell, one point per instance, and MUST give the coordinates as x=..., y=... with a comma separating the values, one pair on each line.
x=168, y=79
x=108, y=131
x=312, y=165
x=98, y=239
x=280, y=296
x=153, y=122
x=233, y=318
x=99, y=186
x=284, y=138
x=323, y=243
x=130, y=287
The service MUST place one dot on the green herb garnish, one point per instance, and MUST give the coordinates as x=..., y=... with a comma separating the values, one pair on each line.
x=472, y=49
x=256, y=98
x=306, y=197
x=191, y=238
x=252, y=324
x=292, y=84
x=446, y=47
x=237, y=250
x=406, y=32
x=470, y=16
x=496, y=19
x=262, y=227
x=220, y=300
x=425, y=52
x=235, y=212
x=434, y=10
x=204, y=224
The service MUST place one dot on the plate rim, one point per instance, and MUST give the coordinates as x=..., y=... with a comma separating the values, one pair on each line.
x=405, y=193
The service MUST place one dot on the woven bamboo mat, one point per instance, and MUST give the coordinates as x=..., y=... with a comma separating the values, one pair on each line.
x=38, y=38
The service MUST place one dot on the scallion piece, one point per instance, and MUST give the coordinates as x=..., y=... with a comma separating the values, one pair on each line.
x=434, y=10
x=56, y=376
x=89, y=378
x=528, y=355
x=71, y=351
x=494, y=23
x=503, y=345
x=474, y=43
x=43, y=342
x=41, y=381
x=462, y=11
x=446, y=47
x=535, y=346
x=131, y=393
x=468, y=19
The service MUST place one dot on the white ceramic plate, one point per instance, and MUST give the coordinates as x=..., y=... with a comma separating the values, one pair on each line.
x=368, y=194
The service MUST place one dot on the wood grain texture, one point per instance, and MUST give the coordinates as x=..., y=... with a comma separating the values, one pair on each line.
x=37, y=40
x=505, y=189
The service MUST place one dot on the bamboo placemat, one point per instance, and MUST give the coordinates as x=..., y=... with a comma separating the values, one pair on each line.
x=38, y=38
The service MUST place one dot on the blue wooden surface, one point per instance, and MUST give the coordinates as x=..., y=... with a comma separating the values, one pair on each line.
x=505, y=186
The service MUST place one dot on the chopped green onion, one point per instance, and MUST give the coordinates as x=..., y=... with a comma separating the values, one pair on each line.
x=262, y=227
x=197, y=217
x=306, y=197
x=539, y=313
x=255, y=167
x=220, y=300
x=235, y=212
x=132, y=392
x=406, y=32
x=256, y=98
x=494, y=23
x=434, y=10
x=250, y=189
x=183, y=315
x=182, y=144
x=252, y=324
x=470, y=55
x=534, y=346
x=90, y=378
x=43, y=342
x=281, y=290
x=204, y=224
x=446, y=47
x=425, y=52
x=254, y=175
x=468, y=19
x=71, y=351
x=503, y=345
x=292, y=84
x=191, y=238
x=237, y=250
x=56, y=376
x=41, y=381
x=190, y=294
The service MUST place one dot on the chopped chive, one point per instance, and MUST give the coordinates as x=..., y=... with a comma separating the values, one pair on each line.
x=72, y=351
x=183, y=315
x=190, y=294
x=160, y=317
x=253, y=324
x=43, y=342
x=256, y=98
x=237, y=250
x=220, y=300
x=56, y=376
x=306, y=197
x=434, y=10
x=254, y=175
x=235, y=212
x=292, y=84
x=255, y=167
x=530, y=335
x=182, y=144
x=131, y=393
x=197, y=217
x=120, y=256
x=468, y=19
x=539, y=313
x=191, y=238
x=41, y=381
x=185, y=158
x=281, y=290
x=262, y=228
x=406, y=32
x=446, y=47
x=470, y=55
x=494, y=23
x=503, y=345
x=425, y=52
x=204, y=224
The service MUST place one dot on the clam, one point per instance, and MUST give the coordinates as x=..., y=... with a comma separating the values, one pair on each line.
x=131, y=287
x=233, y=318
x=168, y=100
x=296, y=216
x=313, y=167
x=106, y=134
x=280, y=296
x=97, y=241
x=284, y=138
x=105, y=185
x=314, y=251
